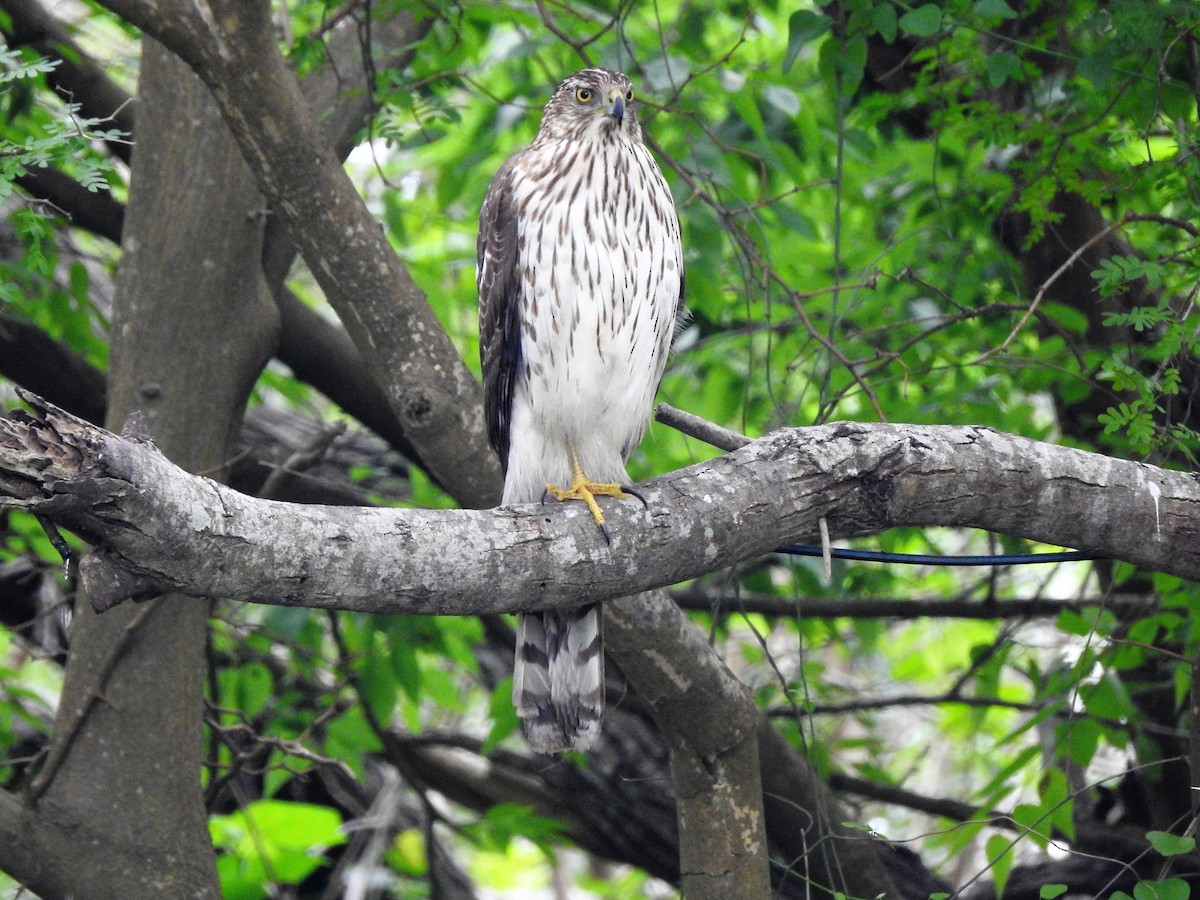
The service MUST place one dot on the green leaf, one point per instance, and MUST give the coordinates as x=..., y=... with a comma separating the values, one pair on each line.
x=1032, y=818
x=993, y=9
x=350, y=736
x=1107, y=698
x=1167, y=889
x=842, y=63
x=883, y=19
x=922, y=22
x=405, y=666
x=1078, y=738
x=378, y=685
x=1071, y=622
x=1000, y=858
x=1050, y=891
x=1057, y=802
x=240, y=881
x=1002, y=66
x=504, y=717
x=1098, y=67
x=295, y=825
x=505, y=821
x=804, y=27
x=1170, y=844
x=282, y=838
x=408, y=854
x=255, y=686
x=14, y=68
x=79, y=281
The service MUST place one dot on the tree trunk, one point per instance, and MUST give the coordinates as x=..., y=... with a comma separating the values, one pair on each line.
x=191, y=330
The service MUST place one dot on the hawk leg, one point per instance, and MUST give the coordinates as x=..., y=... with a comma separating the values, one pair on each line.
x=586, y=491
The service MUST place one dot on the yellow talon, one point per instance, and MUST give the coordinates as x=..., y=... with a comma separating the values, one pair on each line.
x=587, y=491
x=584, y=489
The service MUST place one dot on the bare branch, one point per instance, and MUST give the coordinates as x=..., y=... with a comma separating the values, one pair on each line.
x=699, y=599
x=701, y=429
x=162, y=529
x=232, y=48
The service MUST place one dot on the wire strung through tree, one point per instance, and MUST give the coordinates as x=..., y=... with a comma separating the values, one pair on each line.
x=727, y=440
x=935, y=559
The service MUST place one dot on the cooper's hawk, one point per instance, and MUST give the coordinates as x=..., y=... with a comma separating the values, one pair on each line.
x=580, y=279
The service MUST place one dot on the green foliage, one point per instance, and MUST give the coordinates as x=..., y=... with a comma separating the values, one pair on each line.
x=503, y=714
x=17, y=66
x=1168, y=844
x=843, y=262
x=61, y=138
x=804, y=26
x=505, y=822
x=39, y=133
x=270, y=843
x=922, y=21
x=28, y=687
x=1165, y=889
x=1000, y=859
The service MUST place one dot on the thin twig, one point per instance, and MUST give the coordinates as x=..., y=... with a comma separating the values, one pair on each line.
x=1046, y=285
x=700, y=599
x=42, y=782
x=866, y=704
x=1127, y=219
x=304, y=458
x=701, y=429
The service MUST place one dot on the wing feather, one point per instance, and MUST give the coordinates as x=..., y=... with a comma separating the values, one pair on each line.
x=499, y=284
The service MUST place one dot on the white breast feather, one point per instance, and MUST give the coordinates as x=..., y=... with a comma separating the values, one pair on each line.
x=599, y=301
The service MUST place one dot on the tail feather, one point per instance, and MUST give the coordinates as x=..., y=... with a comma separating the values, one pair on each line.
x=558, y=680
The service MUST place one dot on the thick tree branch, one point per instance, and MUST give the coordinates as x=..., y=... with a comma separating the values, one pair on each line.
x=30, y=357
x=25, y=859
x=96, y=211
x=162, y=529
x=341, y=96
x=316, y=349
x=714, y=759
x=699, y=599
x=232, y=48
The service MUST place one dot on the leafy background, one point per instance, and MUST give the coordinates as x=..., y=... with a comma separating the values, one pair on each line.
x=869, y=192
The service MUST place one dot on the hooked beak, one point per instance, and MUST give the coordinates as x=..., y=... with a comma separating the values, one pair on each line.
x=617, y=110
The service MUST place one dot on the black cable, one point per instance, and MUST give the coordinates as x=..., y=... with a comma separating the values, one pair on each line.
x=933, y=559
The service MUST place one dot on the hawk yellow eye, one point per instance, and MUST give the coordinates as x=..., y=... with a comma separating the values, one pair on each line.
x=583, y=95
x=629, y=95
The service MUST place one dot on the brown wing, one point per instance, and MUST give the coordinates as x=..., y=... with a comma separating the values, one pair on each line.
x=499, y=283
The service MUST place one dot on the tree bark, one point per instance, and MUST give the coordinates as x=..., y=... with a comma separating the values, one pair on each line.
x=710, y=719
x=165, y=525
x=163, y=529
x=436, y=398
x=192, y=327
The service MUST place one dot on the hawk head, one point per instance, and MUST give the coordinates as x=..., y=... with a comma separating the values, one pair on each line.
x=591, y=104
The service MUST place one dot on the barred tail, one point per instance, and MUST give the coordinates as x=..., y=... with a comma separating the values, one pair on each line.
x=558, y=680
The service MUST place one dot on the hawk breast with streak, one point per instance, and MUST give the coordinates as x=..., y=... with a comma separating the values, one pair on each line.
x=580, y=277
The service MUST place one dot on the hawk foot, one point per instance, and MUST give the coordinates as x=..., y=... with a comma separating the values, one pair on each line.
x=586, y=491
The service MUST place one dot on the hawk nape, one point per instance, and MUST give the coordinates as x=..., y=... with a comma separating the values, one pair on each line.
x=580, y=279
